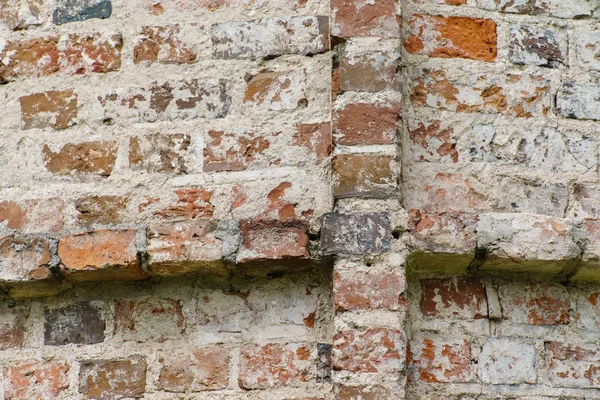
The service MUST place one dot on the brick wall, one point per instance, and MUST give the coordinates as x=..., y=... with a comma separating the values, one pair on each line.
x=299, y=199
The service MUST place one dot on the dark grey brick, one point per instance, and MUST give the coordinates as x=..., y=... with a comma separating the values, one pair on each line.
x=80, y=10
x=79, y=323
x=367, y=233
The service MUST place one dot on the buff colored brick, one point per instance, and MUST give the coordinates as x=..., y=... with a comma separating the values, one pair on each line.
x=149, y=319
x=535, y=304
x=572, y=365
x=507, y=361
x=20, y=14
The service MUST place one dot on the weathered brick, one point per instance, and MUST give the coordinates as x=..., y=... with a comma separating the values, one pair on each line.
x=159, y=153
x=504, y=361
x=80, y=10
x=101, y=210
x=537, y=46
x=535, y=304
x=80, y=323
x=53, y=109
x=201, y=369
x=24, y=259
x=554, y=8
x=176, y=248
x=368, y=289
x=32, y=216
x=435, y=359
x=372, y=72
x=376, y=350
x=364, y=123
x=225, y=311
x=191, y=203
x=380, y=18
x=274, y=365
x=273, y=240
x=82, y=158
x=588, y=309
x=316, y=138
x=67, y=55
x=170, y=100
x=363, y=175
x=100, y=255
x=20, y=14
x=579, y=100
x=270, y=37
x=587, y=47
x=366, y=233
x=590, y=263
x=460, y=298
x=368, y=392
x=13, y=329
x=522, y=96
x=162, y=44
x=36, y=379
x=431, y=140
x=230, y=151
x=151, y=319
x=113, y=379
x=450, y=37
x=571, y=365
x=275, y=91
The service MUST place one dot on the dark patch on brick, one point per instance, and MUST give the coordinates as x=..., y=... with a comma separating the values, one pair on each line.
x=324, y=363
x=367, y=233
x=79, y=323
x=80, y=10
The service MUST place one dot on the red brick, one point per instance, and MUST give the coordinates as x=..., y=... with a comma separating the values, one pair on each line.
x=113, y=379
x=363, y=175
x=431, y=142
x=364, y=123
x=176, y=248
x=35, y=379
x=571, y=365
x=102, y=210
x=376, y=350
x=362, y=18
x=535, y=303
x=371, y=72
x=83, y=158
x=24, y=259
x=461, y=298
x=191, y=203
x=235, y=152
x=163, y=153
x=53, y=109
x=162, y=44
x=275, y=91
x=13, y=327
x=273, y=240
x=435, y=360
x=316, y=138
x=153, y=319
x=201, y=369
x=450, y=37
x=275, y=365
x=366, y=289
x=77, y=54
x=100, y=256
x=30, y=216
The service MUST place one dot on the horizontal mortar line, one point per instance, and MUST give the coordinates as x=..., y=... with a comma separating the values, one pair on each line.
x=236, y=176
x=379, y=149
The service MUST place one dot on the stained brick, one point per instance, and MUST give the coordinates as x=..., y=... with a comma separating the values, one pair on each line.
x=32, y=216
x=363, y=175
x=364, y=123
x=162, y=44
x=588, y=310
x=80, y=323
x=507, y=361
x=435, y=360
x=82, y=158
x=24, y=259
x=53, y=109
x=102, y=210
x=376, y=350
x=461, y=298
x=554, y=8
x=191, y=203
x=578, y=100
x=20, y=14
x=35, y=379
x=163, y=153
x=234, y=151
x=366, y=233
x=572, y=365
x=537, y=46
x=316, y=138
x=366, y=289
x=587, y=47
x=13, y=329
x=380, y=18
x=153, y=319
x=113, y=379
x=368, y=392
x=201, y=369
x=275, y=91
x=372, y=72
x=535, y=304
x=273, y=240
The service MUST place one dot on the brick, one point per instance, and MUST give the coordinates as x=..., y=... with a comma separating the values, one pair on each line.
x=201, y=369
x=588, y=310
x=162, y=44
x=79, y=323
x=20, y=14
x=274, y=365
x=368, y=392
x=590, y=263
x=578, y=100
x=13, y=327
x=273, y=240
x=439, y=360
x=369, y=289
x=176, y=248
x=533, y=45
x=100, y=255
x=587, y=48
x=36, y=379
x=162, y=153
x=270, y=37
x=555, y=8
x=324, y=363
x=526, y=242
x=24, y=259
x=113, y=379
x=225, y=311
x=316, y=138
x=234, y=152
x=82, y=158
x=276, y=91
x=452, y=37
x=80, y=10
x=507, y=361
x=53, y=109
x=376, y=350
x=433, y=141
x=571, y=365
x=586, y=196
x=380, y=18
x=364, y=123
x=522, y=96
x=370, y=72
x=101, y=210
x=32, y=216
x=535, y=304
x=366, y=233
x=191, y=203
x=457, y=298
x=152, y=319
x=185, y=99
x=363, y=175
x=67, y=55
